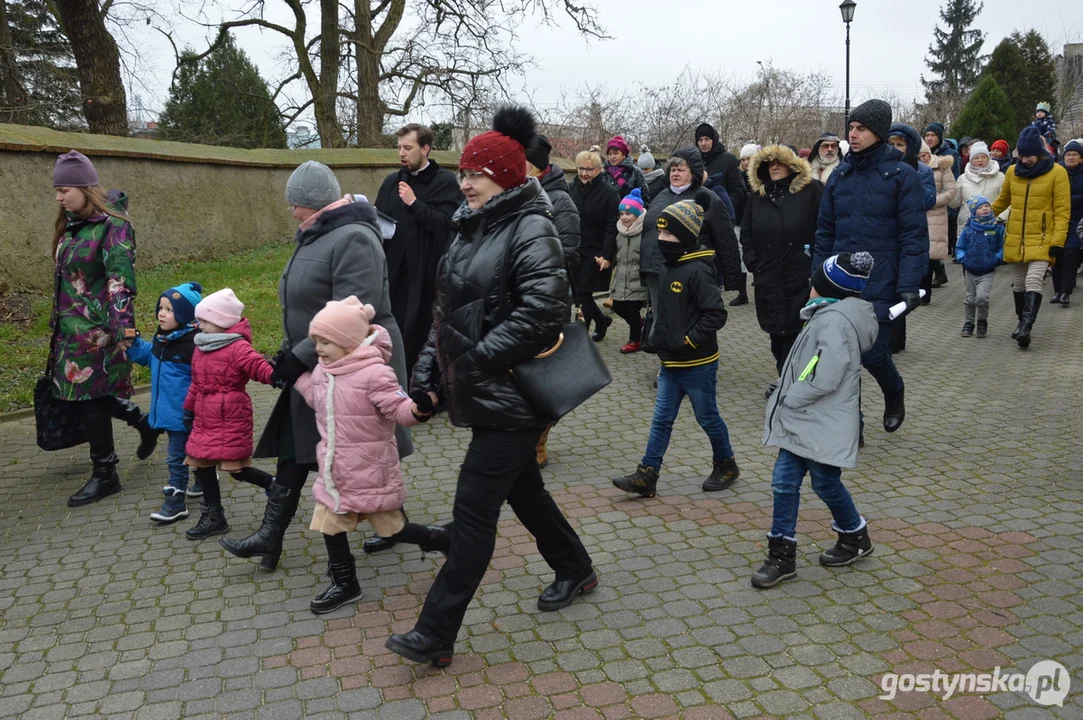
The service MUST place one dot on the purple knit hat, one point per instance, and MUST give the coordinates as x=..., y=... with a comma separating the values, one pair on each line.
x=74, y=169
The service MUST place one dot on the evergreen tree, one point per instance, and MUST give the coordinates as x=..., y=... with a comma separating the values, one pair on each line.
x=39, y=84
x=222, y=100
x=1039, y=83
x=988, y=114
x=1008, y=68
x=954, y=57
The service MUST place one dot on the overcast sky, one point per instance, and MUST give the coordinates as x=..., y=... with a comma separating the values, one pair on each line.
x=655, y=39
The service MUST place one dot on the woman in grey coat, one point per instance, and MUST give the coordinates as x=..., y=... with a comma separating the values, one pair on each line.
x=338, y=254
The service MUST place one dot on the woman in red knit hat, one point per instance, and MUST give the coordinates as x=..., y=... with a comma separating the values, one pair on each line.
x=478, y=334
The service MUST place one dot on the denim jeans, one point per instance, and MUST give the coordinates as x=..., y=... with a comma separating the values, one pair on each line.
x=880, y=365
x=698, y=384
x=174, y=459
x=790, y=470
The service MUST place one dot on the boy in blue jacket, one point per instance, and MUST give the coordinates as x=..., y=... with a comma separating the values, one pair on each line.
x=169, y=358
x=687, y=319
x=980, y=249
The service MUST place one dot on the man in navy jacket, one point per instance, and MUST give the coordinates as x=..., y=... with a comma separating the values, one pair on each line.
x=874, y=202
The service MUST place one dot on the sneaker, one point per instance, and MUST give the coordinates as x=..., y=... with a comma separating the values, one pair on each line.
x=173, y=508
x=643, y=482
x=629, y=347
x=723, y=475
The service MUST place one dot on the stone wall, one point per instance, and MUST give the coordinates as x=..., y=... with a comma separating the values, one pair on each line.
x=186, y=201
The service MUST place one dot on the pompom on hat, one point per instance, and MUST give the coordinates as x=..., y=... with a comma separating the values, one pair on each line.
x=684, y=219
x=646, y=161
x=632, y=203
x=184, y=298
x=221, y=308
x=843, y=275
x=343, y=322
x=74, y=169
x=500, y=154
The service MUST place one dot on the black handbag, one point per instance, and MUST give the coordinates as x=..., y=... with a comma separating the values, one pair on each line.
x=566, y=375
x=59, y=425
x=645, y=343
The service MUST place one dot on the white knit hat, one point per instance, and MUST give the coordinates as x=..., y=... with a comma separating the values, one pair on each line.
x=749, y=150
x=979, y=148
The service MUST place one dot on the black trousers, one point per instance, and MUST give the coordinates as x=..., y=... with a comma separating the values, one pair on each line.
x=1065, y=269
x=499, y=465
x=780, y=348
x=591, y=312
x=953, y=232
x=628, y=311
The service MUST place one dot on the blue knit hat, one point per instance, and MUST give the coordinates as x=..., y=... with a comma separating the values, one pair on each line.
x=1030, y=143
x=976, y=202
x=632, y=203
x=183, y=298
x=843, y=275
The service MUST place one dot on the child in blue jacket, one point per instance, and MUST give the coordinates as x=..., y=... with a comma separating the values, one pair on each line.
x=169, y=358
x=980, y=249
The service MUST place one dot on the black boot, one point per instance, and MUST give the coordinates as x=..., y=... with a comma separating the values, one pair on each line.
x=894, y=411
x=1032, y=303
x=983, y=328
x=212, y=521
x=266, y=542
x=1065, y=300
x=343, y=589
x=781, y=563
x=562, y=593
x=421, y=648
x=849, y=548
x=742, y=292
x=968, y=329
x=130, y=413
x=643, y=482
x=723, y=475
x=1018, y=313
x=601, y=327
x=430, y=538
x=1055, y=300
x=377, y=544
x=104, y=480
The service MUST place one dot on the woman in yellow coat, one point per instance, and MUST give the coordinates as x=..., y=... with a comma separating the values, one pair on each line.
x=1039, y=194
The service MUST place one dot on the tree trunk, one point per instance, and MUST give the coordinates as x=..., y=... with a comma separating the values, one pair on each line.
x=13, y=108
x=369, y=45
x=325, y=95
x=97, y=58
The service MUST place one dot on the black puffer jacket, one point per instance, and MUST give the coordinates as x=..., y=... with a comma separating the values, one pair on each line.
x=780, y=220
x=719, y=161
x=565, y=214
x=476, y=338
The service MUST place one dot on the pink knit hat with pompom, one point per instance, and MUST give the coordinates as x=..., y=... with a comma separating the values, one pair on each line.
x=343, y=322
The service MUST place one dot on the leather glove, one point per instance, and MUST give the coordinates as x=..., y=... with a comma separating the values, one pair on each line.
x=912, y=300
x=288, y=370
x=188, y=417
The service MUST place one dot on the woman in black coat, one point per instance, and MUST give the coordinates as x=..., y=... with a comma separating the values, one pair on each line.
x=779, y=223
x=597, y=201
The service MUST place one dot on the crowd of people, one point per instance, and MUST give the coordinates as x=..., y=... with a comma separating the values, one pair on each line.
x=422, y=301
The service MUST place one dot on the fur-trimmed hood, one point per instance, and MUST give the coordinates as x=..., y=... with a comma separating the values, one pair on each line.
x=354, y=213
x=941, y=162
x=802, y=173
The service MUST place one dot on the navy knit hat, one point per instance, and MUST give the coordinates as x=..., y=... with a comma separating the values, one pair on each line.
x=843, y=275
x=183, y=298
x=1030, y=143
x=1074, y=146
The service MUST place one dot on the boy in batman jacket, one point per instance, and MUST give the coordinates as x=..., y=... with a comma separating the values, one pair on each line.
x=689, y=315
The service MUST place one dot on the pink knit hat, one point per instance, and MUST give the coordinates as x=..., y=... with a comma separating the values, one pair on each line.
x=343, y=322
x=221, y=308
x=619, y=143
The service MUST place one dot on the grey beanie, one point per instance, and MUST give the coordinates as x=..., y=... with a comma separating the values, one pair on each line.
x=313, y=186
x=646, y=161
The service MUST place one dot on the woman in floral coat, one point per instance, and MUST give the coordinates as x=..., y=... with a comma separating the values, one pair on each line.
x=93, y=317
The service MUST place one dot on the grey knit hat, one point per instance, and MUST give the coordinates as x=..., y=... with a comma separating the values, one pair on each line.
x=875, y=115
x=312, y=185
x=646, y=161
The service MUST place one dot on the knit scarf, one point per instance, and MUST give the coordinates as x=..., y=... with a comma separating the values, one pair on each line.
x=209, y=342
x=617, y=173
x=982, y=223
x=1039, y=168
x=815, y=304
x=976, y=174
x=635, y=229
x=678, y=190
x=333, y=206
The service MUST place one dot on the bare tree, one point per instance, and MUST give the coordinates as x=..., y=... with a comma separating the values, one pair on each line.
x=97, y=59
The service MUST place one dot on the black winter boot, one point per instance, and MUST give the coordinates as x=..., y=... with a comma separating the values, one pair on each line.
x=968, y=329
x=781, y=563
x=894, y=411
x=643, y=482
x=130, y=413
x=742, y=292
x=1018, y=313
x=343, y=589
x=723, y=475
x=266, y=542
x=212, y=521
x=849, y=548
x=104, y=480
x=376, y=543
x=1032, y=303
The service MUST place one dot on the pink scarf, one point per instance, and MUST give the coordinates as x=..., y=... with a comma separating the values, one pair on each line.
x=333, y=206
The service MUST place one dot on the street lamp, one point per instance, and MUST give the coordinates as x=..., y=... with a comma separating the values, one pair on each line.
x=847, y=8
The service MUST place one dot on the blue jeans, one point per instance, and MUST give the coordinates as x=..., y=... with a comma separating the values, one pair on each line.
x=698, y=384
x=790, y=470
x=880, y=365
x=174, y=459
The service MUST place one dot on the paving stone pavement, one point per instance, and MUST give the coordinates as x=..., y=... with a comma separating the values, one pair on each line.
x=975, y=507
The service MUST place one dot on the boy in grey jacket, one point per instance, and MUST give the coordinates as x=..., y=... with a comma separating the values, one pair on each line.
x=814, y=416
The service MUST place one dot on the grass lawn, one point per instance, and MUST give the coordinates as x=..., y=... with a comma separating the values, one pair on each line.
x=253, y=275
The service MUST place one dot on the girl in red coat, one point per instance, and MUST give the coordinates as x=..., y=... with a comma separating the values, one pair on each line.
x=218, y=407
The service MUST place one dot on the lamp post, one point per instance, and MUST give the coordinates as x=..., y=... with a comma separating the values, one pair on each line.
x=847, y=8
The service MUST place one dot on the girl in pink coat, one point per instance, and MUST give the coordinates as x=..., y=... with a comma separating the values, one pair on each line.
x=358, y=403
x=218, y=408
